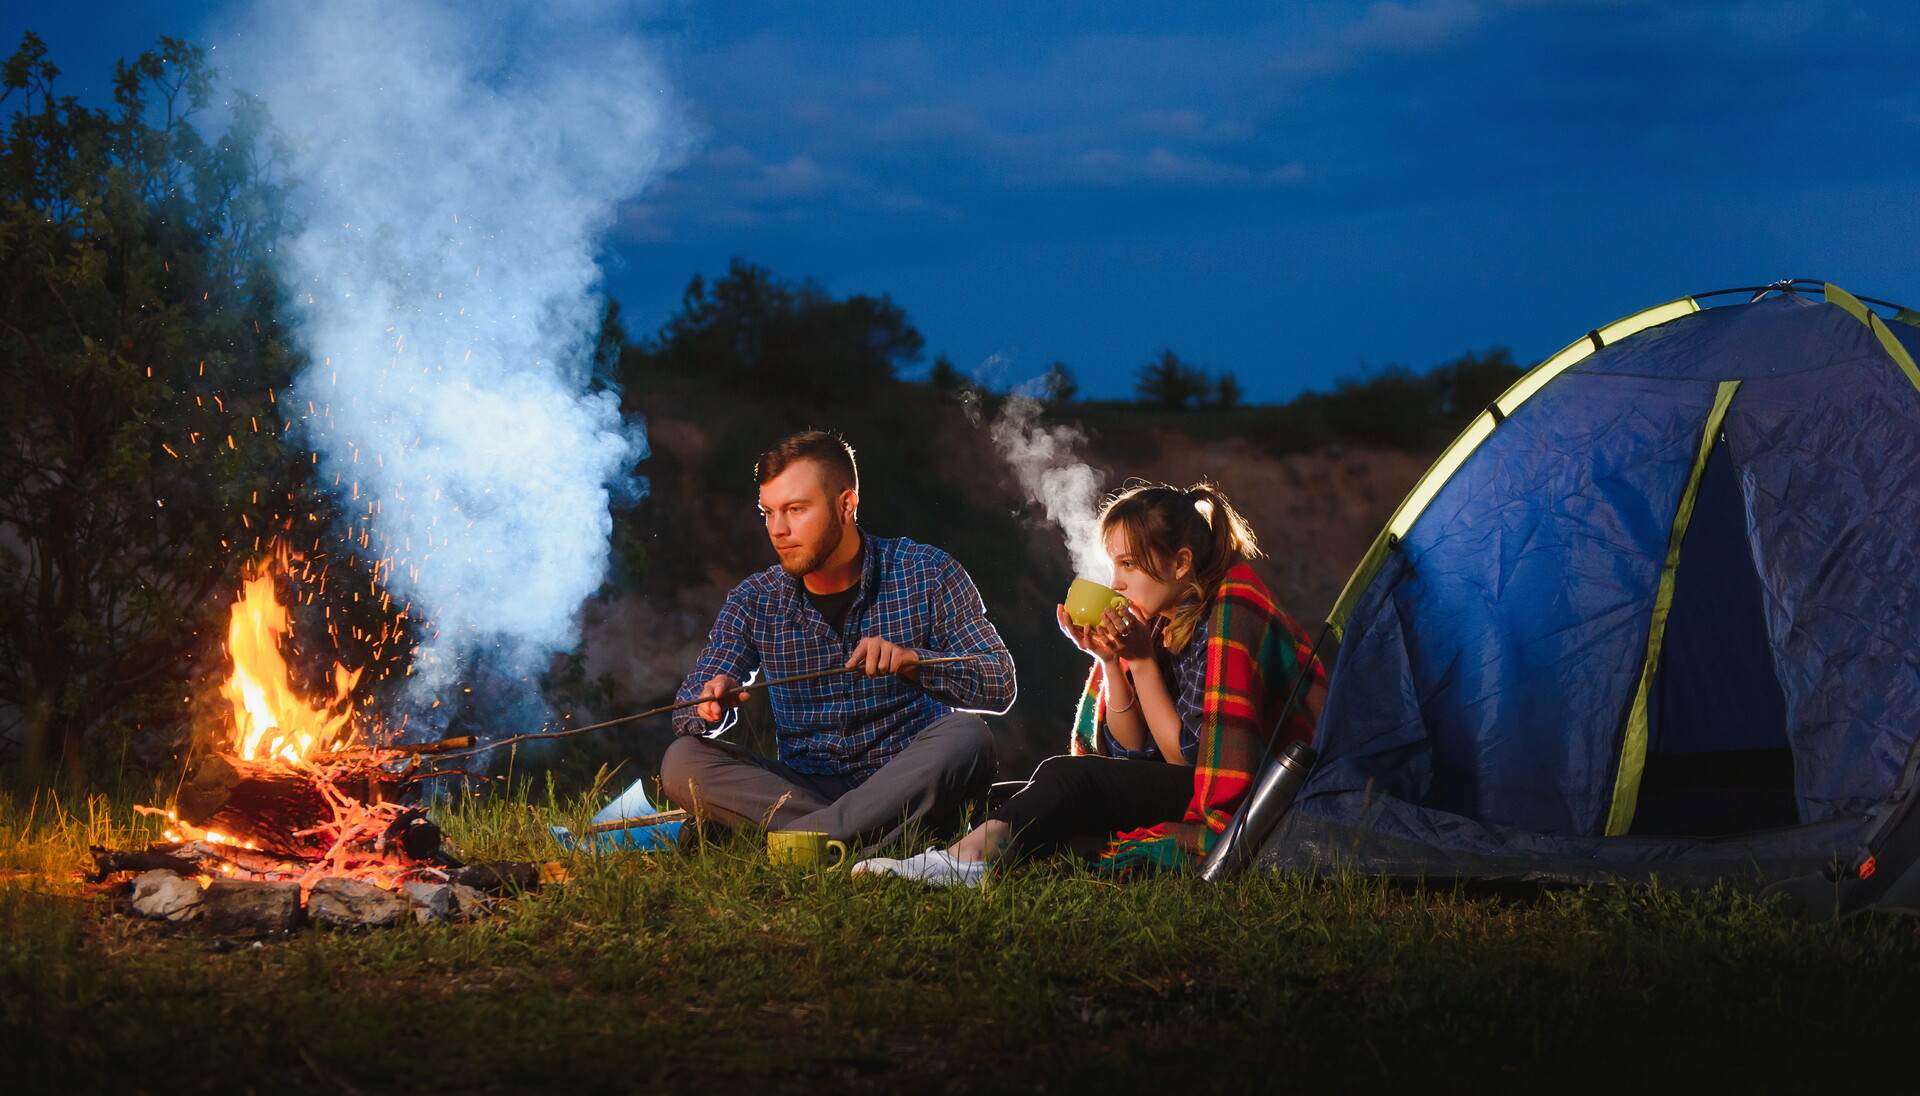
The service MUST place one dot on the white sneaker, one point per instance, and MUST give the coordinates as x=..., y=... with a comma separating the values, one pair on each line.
x=933, y=867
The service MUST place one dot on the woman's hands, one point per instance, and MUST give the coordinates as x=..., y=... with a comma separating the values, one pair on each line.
x=1082, y=638
x=1140, y=708
x=1119, y=634
x=1127, y=632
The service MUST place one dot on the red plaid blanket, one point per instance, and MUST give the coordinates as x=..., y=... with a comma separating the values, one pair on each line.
x=1254, y=652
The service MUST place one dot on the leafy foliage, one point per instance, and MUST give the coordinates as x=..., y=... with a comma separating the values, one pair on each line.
x=1391, y=408
x=797, y=342
x=1057, y=384
x=1171, y=384
x=1227, y=391
x=1397, y=408
x=139, y=352
x=752, y=358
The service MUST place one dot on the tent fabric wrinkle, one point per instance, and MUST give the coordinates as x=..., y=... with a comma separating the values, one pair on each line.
x=1664, y=617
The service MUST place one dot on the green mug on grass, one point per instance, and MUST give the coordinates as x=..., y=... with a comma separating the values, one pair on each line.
x=1087, y=599
x=804, y=849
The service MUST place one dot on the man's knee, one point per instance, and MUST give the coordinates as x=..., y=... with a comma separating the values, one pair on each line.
x=968, y=757
x=965, y=739
x=683, y=764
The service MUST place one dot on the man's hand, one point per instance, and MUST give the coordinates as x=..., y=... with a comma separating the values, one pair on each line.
x=877, y=656
x=720, y=694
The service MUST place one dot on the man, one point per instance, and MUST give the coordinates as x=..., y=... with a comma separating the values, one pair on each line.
x=861, y=756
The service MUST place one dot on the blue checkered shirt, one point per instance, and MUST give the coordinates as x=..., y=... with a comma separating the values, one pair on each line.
x=1186, y=674
x=850, y=724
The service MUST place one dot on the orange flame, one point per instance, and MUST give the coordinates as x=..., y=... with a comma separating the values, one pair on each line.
x=271, y=721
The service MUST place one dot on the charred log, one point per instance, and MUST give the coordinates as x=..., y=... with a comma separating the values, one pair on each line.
x=502, y=877
x=418, y=838
x=266, y=804
x=185, y=858
x=179, y=859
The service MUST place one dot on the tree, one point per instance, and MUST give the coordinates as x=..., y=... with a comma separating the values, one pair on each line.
x=608, y=347
x=139, y=355
x=1396, y=408
x=1171, y=384
x=943, y=376
x=1468, y=383
x=1227, y=391
x=794, y=341
x=1057, y=384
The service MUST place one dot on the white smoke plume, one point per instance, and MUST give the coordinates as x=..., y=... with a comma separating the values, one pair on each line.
x=459, y=166
x=1066, y=487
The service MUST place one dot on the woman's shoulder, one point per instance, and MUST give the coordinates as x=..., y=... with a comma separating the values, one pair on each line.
x=1244, y=606
x=1242, y=585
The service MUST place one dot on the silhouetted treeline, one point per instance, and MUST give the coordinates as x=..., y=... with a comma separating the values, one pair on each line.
x=1397, y=408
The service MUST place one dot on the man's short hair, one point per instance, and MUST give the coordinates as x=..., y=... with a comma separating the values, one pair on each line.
x=829, y=451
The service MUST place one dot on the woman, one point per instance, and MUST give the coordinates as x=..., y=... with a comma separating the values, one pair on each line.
x=1180, y=708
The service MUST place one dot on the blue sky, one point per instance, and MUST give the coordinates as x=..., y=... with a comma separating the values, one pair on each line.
x=1292, y=192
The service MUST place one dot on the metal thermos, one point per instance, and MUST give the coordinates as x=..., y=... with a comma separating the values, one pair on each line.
x=1249, y=829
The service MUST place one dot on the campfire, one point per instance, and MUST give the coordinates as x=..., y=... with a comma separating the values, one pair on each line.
x=293, y=806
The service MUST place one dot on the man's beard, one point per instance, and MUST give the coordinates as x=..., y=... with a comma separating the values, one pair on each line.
x=807, y=562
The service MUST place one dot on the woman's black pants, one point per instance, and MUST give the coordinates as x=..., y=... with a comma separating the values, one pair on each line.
x=1088, y=796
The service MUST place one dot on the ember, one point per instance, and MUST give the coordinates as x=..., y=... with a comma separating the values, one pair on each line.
x=285, y=797
x=279, y=786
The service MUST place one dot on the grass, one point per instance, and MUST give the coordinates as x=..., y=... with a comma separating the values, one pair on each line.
x=679, y=971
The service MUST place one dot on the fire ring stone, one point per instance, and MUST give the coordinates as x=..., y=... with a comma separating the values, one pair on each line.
x=338, y=903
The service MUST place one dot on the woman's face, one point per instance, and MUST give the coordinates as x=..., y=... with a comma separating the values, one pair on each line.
x=1150, y=595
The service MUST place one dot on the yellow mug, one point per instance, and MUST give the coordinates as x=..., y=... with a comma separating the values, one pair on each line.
x=804, y=849
x=1087, y=599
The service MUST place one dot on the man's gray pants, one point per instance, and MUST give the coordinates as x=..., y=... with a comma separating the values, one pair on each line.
x=948, y=763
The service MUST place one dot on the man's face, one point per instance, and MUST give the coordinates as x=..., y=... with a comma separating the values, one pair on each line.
x=805, y=523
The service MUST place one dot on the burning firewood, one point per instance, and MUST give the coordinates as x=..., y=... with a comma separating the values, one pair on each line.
x=283, y=796
x=285, y=821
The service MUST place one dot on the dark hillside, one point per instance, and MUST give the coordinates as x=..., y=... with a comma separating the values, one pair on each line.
x=933, y=475
x=751, y=358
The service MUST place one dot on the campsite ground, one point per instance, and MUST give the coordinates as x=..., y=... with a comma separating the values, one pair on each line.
x=676, y=972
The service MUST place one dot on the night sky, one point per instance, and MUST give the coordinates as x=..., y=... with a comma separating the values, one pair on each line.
x=1292, y=192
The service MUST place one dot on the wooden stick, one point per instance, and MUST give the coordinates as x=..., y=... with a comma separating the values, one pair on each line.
x=639, y=821
x=465, y=744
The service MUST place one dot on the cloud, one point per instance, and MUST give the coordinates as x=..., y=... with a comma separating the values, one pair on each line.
x=1386, y=26
x=891, y=117
x=793, y=178
x=731, y=189
x=1193, y=126
x=923, y=122
x=1107, y=167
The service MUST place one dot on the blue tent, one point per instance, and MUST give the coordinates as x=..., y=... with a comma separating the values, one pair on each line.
x=1655, y=613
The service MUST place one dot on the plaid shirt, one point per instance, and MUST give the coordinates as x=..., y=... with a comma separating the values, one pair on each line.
x=1186, y=674
x=851, y=724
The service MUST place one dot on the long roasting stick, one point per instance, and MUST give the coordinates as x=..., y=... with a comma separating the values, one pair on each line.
x=637, y=822
x=465, y=743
